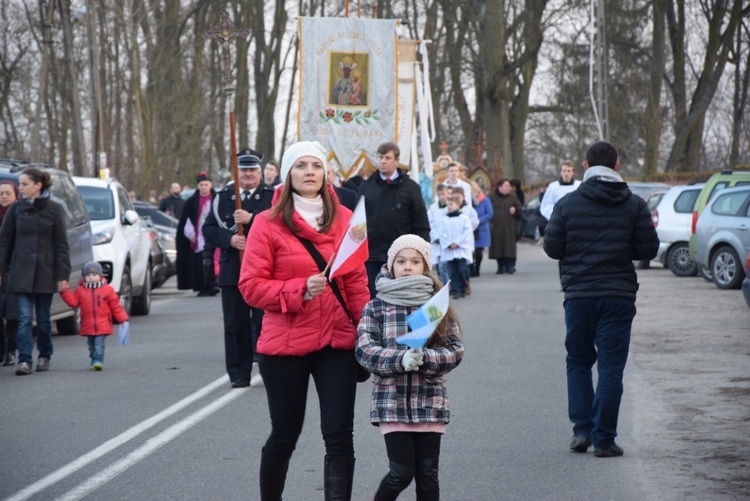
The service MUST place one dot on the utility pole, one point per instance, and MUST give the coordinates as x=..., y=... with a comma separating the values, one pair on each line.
x=598, y=68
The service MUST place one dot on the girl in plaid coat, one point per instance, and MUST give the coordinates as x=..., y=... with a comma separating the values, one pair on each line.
x=409, y=400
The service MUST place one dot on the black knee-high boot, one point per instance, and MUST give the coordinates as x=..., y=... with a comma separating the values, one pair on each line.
x=338, y=478
x=477, y=261
x=272, y=477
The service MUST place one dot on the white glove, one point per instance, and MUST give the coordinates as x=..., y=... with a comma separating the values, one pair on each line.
x=412, y=359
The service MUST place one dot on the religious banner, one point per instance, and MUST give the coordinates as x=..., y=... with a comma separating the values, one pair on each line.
x=407, y=58
x=348, y=88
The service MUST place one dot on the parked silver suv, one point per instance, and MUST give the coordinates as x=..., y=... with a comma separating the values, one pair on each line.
x=673, y=218
x=63, y=191
x=722, y=236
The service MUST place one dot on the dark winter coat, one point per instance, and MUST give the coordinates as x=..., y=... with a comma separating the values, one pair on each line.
x=189, y=263
x=393, y=210
x=34, y=247
x=220, y=227
x=503, y=233
x=172, y=205
x=596, y=232
x=98, y=307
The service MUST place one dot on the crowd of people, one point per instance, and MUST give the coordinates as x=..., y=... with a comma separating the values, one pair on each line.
x=266, y=246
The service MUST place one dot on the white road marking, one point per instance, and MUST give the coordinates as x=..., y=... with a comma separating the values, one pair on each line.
x=150, y=446
x=114, y=443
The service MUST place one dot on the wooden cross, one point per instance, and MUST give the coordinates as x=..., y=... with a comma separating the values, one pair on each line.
x=225, y=33
x=444, y=148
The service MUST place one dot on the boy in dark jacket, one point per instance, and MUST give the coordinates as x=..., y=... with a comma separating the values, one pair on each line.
x=596, y=232
x=99, y=304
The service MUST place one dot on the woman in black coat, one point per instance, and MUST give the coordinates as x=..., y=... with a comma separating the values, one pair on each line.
x=34, y=250
x=8, y=310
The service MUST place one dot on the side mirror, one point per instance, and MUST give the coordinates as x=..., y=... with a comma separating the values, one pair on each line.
x=131, y=217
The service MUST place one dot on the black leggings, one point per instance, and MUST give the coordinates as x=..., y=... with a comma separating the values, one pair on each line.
x=286, y=380
x=412, y=455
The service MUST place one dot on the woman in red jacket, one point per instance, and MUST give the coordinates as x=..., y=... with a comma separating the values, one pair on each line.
x=306, y=330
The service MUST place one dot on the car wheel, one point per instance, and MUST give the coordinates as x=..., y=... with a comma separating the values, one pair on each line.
x=70, y=326
x=142, y=303
x=680, y=261
x=126, y=290
x=706, y=274
x=727, y=269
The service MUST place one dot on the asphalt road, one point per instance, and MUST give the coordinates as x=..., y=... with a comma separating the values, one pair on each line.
x=161, y=422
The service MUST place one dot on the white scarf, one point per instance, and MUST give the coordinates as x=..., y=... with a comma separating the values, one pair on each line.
x=310, y=209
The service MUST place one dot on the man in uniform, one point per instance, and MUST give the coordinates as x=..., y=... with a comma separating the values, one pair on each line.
x=241, y=322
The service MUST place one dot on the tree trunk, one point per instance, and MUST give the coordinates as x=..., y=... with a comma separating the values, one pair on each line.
x=653, y=106
x=72, y=97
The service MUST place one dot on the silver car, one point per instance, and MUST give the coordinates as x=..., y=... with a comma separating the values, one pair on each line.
x=673, y=217
x=722, y=236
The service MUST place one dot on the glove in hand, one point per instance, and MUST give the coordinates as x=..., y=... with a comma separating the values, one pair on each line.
x=412, y=359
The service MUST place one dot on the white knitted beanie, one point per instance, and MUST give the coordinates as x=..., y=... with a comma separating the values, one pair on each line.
x=299, y=150
x=409, y=242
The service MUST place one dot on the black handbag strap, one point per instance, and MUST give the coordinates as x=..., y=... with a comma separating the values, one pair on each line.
x=322, y=266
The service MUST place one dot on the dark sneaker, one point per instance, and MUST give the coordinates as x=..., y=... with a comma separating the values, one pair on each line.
x=42, y=364
x=614, y=451
x=580, y=443
x=24, y=369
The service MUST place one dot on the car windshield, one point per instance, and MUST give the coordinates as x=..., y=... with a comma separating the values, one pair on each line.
x=157, y=216
x=99, y=202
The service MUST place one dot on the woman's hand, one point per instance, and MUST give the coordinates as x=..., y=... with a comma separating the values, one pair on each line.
x=512, y=210
x=316, y=284
x=62, y=285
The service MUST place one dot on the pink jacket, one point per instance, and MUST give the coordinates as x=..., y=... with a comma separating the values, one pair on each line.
x=274, y=275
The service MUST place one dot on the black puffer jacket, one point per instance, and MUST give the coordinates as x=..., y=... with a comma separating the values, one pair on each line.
x=596, y=232
x=393, y=210
x=34, y=247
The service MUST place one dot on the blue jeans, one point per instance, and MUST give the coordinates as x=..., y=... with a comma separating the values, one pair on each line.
x=27, y=303
x=96, y=348
x=598, y=331
x=444, y=272
x=459, y=275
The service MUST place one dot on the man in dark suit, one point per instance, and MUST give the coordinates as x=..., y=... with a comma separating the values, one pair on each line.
x=348, y=198
x=241, y=322
x=394, y=207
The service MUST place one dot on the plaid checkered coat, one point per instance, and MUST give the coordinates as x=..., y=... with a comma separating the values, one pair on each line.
x=399, y=396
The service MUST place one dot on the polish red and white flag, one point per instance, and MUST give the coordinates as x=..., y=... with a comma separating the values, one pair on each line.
x=353, y=250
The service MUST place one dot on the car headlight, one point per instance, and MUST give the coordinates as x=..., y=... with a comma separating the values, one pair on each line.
x=104, y=237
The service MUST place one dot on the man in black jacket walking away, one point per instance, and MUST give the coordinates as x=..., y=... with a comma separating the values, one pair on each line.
x=394, y=207
x=596, y=232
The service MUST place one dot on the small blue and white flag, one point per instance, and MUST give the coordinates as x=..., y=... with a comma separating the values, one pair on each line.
x=425, y=320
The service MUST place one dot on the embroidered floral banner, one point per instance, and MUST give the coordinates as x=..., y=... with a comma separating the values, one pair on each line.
x=348, y=88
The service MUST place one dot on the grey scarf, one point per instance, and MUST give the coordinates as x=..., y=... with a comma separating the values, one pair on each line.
x=413, y=290
x=602, y=173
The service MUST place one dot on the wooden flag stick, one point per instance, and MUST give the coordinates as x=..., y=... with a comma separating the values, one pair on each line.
x=330, y=261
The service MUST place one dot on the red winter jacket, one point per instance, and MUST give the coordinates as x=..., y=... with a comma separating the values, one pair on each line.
x=98, y=306
x=274, y=274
